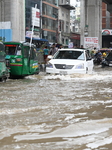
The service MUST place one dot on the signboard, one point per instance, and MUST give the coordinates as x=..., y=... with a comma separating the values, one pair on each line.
x=5, y=35
x=36, y=17
x=5, y=25
x=91, y=42
x=106, y=32
x=35, y=34
x=45, y=33
x=70, y=45
x=5, y=31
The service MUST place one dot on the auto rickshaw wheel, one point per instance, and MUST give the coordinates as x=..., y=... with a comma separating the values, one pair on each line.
x=3, y=79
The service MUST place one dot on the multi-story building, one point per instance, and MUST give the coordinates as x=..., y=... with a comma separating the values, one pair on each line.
x=106, y=27
x=32, y=18
x=46, y=24
x=50, y=20
x=75, y=19
x=64, y=21
x=12, y=22
x=75, y=25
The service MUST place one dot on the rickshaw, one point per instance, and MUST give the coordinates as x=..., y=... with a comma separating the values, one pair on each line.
x=21, y=59
x=4, y=73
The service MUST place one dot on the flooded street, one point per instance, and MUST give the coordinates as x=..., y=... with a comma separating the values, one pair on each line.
x=56, y=112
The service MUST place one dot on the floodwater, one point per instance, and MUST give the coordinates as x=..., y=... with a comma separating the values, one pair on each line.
x=56, y=112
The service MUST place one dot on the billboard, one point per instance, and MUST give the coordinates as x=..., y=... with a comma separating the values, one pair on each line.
x=91, y=42
x=5, y=35
x=35, y=17
x=106, y=32
x=5, y=31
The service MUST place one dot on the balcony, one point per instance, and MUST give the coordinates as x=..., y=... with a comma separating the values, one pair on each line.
x=107, y=1
x=67, y=6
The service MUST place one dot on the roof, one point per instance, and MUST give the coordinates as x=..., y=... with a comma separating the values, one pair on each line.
x=67, y=6
x=72, y=49
x=44, y=40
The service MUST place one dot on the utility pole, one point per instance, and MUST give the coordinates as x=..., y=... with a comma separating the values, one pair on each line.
x=33, y=25
x=40, y=18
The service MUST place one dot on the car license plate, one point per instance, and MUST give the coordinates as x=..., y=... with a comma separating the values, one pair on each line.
x=63, y=72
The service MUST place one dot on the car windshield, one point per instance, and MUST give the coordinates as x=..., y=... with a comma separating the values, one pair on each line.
x=65, y=54
x=12, y=49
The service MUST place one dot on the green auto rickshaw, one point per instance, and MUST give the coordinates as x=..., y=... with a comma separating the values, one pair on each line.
x=4, y=72
x=21, y=59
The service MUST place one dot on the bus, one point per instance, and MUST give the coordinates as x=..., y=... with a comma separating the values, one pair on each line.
x=21, y=59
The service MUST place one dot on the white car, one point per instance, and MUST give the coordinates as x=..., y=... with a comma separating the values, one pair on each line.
x=70, y=61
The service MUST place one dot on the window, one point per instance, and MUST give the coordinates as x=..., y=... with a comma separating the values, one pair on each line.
x=25, y=52
x=70, y=55
x=67, y=26
x=62, y=14
x=67, y=1
x=2, y=52
x=33, y=54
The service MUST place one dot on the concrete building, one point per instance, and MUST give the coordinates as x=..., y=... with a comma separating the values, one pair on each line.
x=64, y=21
x=32, y=18
x=75, y=24
x=75, y=19
x=46, y=26
x=12, y=22
x=91, y=23
x=106, y=26
x=50, y=20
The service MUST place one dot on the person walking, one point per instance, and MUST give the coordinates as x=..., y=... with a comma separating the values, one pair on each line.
x=54, y=49
x=46, y=52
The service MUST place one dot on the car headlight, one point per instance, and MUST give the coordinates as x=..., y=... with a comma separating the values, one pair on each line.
x=80, y=66
x=69, y=66
x=49, y=65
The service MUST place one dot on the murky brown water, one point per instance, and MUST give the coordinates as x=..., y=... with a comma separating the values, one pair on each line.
x=47, y=112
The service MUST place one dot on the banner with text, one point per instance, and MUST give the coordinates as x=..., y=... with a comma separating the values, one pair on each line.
x=91, y=42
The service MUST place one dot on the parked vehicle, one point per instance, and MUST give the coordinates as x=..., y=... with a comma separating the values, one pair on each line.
x=70, y=61
x=4, y=73
x=21, y=58
x=107, y=61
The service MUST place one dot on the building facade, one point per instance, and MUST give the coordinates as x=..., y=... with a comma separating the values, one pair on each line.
x=46, y=24
x=32, y=18
x=64, y=21
x=106, y=26
x=12, y=22
x=75, y=19
x=50, y=20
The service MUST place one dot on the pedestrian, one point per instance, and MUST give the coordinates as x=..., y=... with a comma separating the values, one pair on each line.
x=53, y=49
x=61, y=46
x=98, y=56
x=82, y=47
x=92, y=52
x=46, y=52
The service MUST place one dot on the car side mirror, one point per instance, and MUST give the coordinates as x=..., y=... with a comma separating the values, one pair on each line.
x=88, y=59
